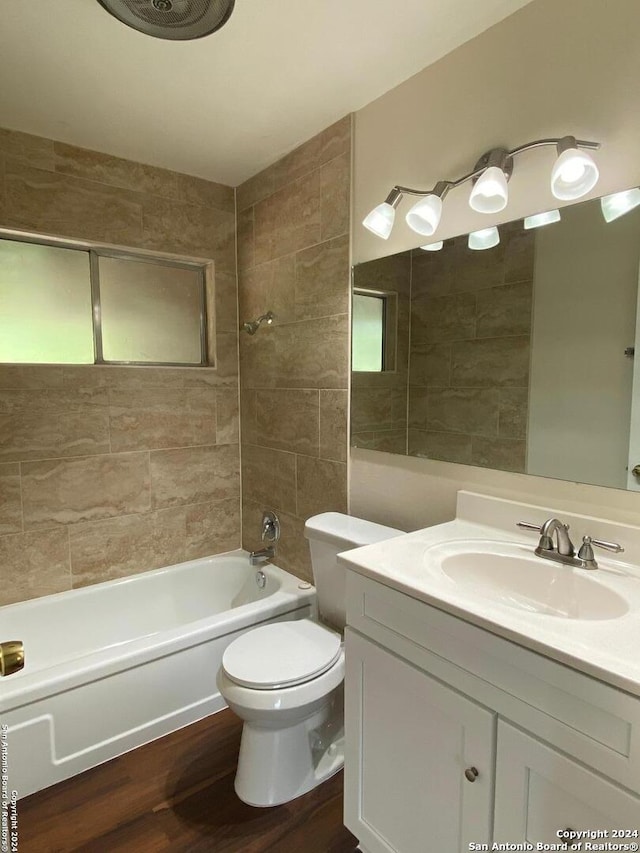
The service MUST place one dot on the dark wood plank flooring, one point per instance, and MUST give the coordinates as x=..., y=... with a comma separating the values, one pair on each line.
x=177, y=794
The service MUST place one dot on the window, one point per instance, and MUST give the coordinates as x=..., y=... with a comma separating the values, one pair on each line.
x=373, y=337
x=63, y=305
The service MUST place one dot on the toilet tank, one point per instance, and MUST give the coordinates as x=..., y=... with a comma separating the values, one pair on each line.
x=329, y=534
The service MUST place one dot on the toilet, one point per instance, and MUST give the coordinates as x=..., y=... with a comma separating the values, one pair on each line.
x=285, y=679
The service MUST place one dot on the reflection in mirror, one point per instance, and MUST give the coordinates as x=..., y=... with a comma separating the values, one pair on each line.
x=518, y=357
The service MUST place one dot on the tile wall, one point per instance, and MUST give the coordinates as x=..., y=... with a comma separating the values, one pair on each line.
x=110, y=471
x=470, y=351
x=293, y=259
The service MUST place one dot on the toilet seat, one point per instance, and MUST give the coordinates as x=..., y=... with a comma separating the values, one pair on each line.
x=282, y=654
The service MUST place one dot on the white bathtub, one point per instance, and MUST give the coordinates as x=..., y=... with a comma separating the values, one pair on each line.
x=115, y=665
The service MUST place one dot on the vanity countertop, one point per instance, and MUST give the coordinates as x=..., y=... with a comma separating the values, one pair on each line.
x=606, y=648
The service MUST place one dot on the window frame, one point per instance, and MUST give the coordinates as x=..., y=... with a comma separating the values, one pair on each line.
x=203, y=266
x=389, y=327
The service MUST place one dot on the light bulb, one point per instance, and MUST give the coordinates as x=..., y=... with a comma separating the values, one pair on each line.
x=618, y=204
x=574, y=173
x=490, y=193
x=487, y=238
x=539, y=219
x=433, y=247
x=380, y=220
x=424, y=216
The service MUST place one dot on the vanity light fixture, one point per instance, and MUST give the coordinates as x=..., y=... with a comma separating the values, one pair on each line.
x=433, y=247
x=617, y=204
x=486, y=238
x=540, y=219
x=573, y=175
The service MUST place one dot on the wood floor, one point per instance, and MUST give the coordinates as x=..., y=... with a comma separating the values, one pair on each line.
x=177, y=794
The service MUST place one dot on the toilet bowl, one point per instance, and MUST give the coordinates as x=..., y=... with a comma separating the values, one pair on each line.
x=285, y=680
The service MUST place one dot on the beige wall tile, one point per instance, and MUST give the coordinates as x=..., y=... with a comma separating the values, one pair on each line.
x=248, y=427
x=297, y=163
x=30, y=150
x=227, y=416
x=514, y=407
x=205, y=193
x=314, y=353
x=334, y=405
x=68, y=491
x=263, y=225
x=44, y=435
x=446, y=318
x=519, y=256
x=105, y=550
x=288, y=420
x=447, y=446
x=70, y=207
x=212, y=528
x=432, y=273
x=246, y=239
x=227, y=368
x=17, y=376
x=170, y=226
x=226, y=302
x=375, y=409
x=491, y=362
x=469, y=410
x=10, y=499
x=501, y=453
x=256, y=189
x=33, y=564
x=154, y=418
x=431, y=365
x=477, y=270
x=335, y=139
x=95, y=166
x=393, y=441
x=269, y=478
x=321, y=486
x=390, y=273
x=322, y=280
x=194, y=475
x=76, y=400
x=505, y=310
x=288, y=220
x=335, y=189
x=269, y=287
x=259, y=359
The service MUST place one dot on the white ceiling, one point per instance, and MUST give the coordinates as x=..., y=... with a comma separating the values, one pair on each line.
x=225, y=106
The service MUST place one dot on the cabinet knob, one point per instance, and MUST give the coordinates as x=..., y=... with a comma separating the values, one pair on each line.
x=471, y=774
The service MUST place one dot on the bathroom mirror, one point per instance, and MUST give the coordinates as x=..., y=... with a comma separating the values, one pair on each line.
x=518, y=357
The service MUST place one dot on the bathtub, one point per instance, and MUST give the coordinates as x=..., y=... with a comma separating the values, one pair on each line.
x=115, y=665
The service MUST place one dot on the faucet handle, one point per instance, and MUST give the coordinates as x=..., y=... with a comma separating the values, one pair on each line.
x=270, y=527
x=586, y=551
x=528, y=526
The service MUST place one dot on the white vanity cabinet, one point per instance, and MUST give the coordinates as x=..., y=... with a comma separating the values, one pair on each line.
x=431, y=698
x=413, y=738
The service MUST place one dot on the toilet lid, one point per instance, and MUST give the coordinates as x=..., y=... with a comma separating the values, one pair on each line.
x=282, y=654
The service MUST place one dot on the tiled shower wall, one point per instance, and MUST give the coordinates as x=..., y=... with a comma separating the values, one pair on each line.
x=109, y=471
x=293, y=259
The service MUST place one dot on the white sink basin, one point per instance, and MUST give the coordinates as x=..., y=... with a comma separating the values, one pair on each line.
x=512, y=575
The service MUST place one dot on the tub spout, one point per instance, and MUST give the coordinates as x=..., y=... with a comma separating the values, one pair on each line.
x=11, y=657
x=261, y=556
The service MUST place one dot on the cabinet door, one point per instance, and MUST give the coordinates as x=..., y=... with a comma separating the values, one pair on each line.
x=409, y=740
x=540, y=792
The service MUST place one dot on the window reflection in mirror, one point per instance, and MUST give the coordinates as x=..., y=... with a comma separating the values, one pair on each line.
x=515, y=358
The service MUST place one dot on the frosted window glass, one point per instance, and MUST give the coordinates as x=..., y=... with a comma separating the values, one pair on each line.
x=45, y=304
x=368, y=333
x=150, y=312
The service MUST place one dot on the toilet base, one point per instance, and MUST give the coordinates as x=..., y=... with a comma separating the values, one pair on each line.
x=279, y=763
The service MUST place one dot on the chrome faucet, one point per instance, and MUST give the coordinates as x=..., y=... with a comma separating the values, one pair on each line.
x=564, y=552
x=270, y=533
x=261, y=556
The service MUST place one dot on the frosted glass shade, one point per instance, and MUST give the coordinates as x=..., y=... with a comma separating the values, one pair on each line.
x=618, y=204
x=490, y=193
x=433, y=247
x=487, y=238
x=574, y=173
x=380, y=220
x=424, y=216
x=540, y=219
